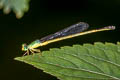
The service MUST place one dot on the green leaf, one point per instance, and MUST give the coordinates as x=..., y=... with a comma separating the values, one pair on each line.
x=18, y=6
x=88, y=62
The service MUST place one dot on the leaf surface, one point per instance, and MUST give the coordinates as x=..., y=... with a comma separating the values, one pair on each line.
x=18, y=6
x=79, y=62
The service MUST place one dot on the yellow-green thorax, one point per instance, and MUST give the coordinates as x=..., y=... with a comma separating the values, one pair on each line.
x=33, y=45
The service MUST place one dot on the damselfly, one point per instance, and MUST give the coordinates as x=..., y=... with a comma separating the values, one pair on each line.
x=69, y=32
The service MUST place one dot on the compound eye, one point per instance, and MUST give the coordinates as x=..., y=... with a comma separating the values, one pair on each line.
x=24, y=47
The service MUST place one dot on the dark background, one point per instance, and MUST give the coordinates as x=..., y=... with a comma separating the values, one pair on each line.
x=48, y=16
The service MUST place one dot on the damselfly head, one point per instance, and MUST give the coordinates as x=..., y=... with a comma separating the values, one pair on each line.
x=24, y=47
